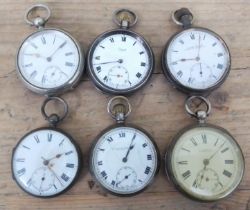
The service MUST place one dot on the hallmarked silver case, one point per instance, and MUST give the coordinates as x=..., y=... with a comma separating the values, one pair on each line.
x=71, y=84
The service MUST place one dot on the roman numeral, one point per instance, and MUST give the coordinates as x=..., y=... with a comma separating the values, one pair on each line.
x=33, y=45
x=105, y=79
x=28, y=65
x=186, y=174
x=224, y=150
x=190, y=80
x=102, y=47
x=55, y=186
x=69, y=64
x=113, y=183
x=220, y=54
x=143, y=64
x=49, y=137
x=111, y=40
x=229, y=161
x=142, y=52
x=179, y=73
x=184, y=162
x=69, y=152
x=20, y=160
x=98, y=69
x=68, y=53
x=134, y=43
x=25, y=147
x=214, y=44
x=43, y=40
x=122, y=135
x=195, y=184
x=147, y=170
x=219, y=66
x=227, y=173
x=37, y=139
x=138, y=74
x=104, y=174
x=63, y=44
x=70, y=165
x=100, y=163
x=33, y=74
x=29, y=182
x=181, y=41
x=21, y=172
x=65, y=177
x=97, y=57
x=144, y=145
x=216, y=142
x=149, y=157
x=192, y=36
x=193, y=141
x=110, y=139
x=124, y=38
x=185, y=149
x=61, y=143
x=101, y=149
x=204, y=138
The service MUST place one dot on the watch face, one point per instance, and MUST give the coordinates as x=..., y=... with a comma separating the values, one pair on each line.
x=206, y=163
x=49, y=59
x=124, y=160
x=197, y=59
x=120, y=61
x=45, y=162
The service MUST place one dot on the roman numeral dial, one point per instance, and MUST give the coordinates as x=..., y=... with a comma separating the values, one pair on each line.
x=45, y=162
x=133, y=157
x=49, y=59
x=206, y=162
x=196, y=62
x=122, y=58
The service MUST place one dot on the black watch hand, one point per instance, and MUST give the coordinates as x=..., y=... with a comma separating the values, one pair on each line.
x=126, y=177
x=131, y=146
x=117, y=61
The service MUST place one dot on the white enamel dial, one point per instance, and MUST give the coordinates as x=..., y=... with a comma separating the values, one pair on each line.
x=45, y=162
x=120, y=61
x=197, y=58
x=48, y=59
x=124, y=160
x=207, y=163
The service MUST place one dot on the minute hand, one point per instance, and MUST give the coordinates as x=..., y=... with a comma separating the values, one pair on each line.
x=117, y=61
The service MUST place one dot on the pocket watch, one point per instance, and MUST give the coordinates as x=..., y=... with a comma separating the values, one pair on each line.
x=120, y=61
x=46, y=161
x=124, y=158
x=204, y=161
x=195, y=60
x=49, y=61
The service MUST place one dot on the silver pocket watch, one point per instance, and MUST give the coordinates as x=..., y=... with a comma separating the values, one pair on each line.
x=204, y=161
x=49, y=61
x=195, y=60
x=46, y=161
x=124, y=158
x=120, y=61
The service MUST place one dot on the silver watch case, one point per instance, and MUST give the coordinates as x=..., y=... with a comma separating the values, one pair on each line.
x=71, y=84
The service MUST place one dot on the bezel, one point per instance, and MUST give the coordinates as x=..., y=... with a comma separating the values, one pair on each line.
x=168, y=158
x=91, y=154
x=175, y=83
x=78, y=152
x=72, y=83
x=105, y=88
